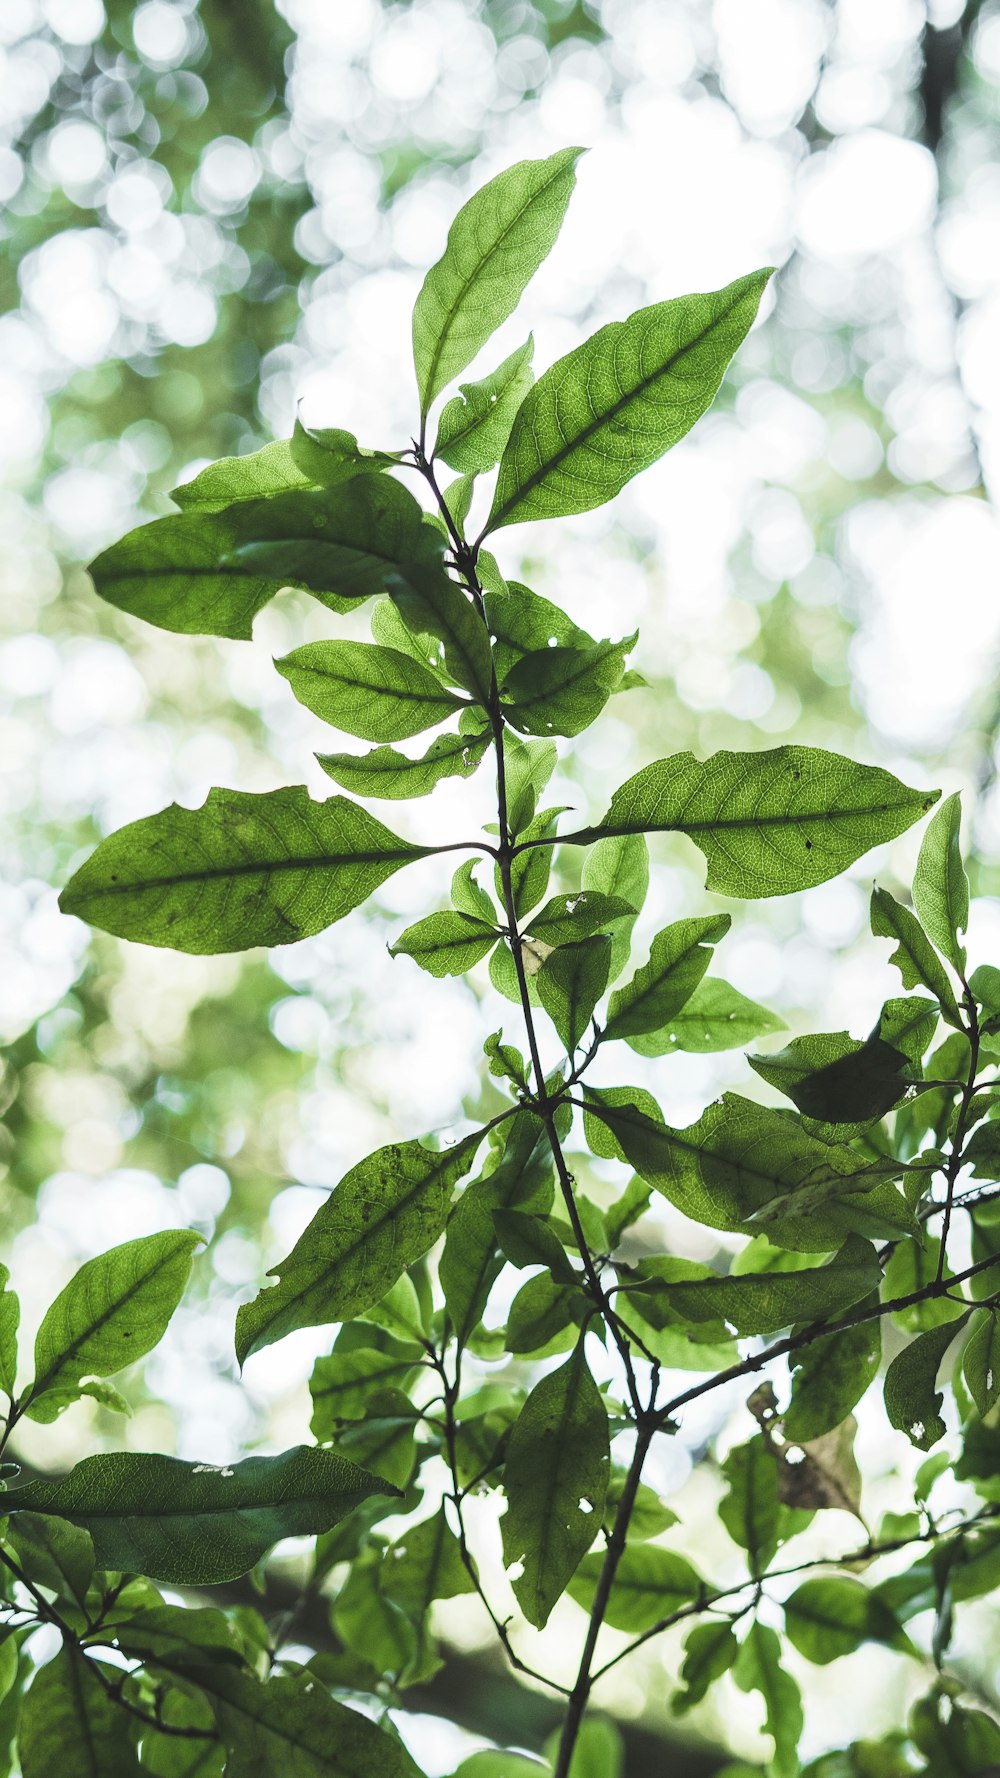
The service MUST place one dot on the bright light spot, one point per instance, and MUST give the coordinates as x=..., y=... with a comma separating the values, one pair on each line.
x=227, y=174
x=135, y=199
x=867, y=194
x=75, y=21
x=160, y=34
x=75, y=154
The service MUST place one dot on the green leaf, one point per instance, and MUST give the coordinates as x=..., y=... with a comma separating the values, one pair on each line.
x=383, y=1442
x=529, y=871
x=715, y=1017
x=114, y=1310
x=833, y=1615
x=242, y=870
x=759, y=1668
x=430, y=604
x=209, y=573
x=709, y=1652
x=343, y=1384
x=561, y=691
x=557, y=1465
x=375, y=693
x=532, y=1241
x=911, y=1400
x=301, y=461
x=618, y=867
x=175, y=1636
x=914, y=955
x=830, y=1376
x=837, y=1079
x=571, y=982
x=770, y=822
x=615, y=404
x=981, y=1360
x=544, y=1316
x=649, y=1514
x=386, y=773
x=470, y=1262
x=467, y=897
x=423, y=1565
x=10, y=1316
x=385, y=1213
x=491, y=1763
x=678, y=958
x=475, y=425
x=70, y=1726
x=751, y=1508
x=496, y=243
x=761, y=1303
x=528, y=766
x=197, y=1524
x=940, y=885
x=54, y=1553
x=290, y=1727
x=567, y=918
x=446, y=944
x=650, y=1583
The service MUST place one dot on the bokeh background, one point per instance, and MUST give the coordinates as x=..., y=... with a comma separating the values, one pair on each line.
x=214, y=213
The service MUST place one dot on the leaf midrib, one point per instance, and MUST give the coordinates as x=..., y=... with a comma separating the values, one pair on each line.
x=248, y=868
x=44, y=1381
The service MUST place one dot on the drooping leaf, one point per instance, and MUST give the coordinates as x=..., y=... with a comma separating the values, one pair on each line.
x=911, y=1400
x=496, y=243
x=650, y=1583
x=242, y=870
x=290, y=1727
x=70, y=1726
x=557, y=1466
x=383, y=1442
x=54, y=1553
x=385, y=1213
x=446, y=943
x=715, y=1017
x=375, y=693
x=571, y=982
x=832, y=1615
x=196, y=1524
x=940, y=885
x=544, y=1316
x=468, y=897
x=612, y=406
x=531, y=1240
x=384, y=772
x=770, y=822
x=179, y=1637
x=430, y=604
x=561, y=691
x=829, y=1378
x=761, y=1303
x=759, y=1668
x=981, y=1360
x=914, y=955
x=306, y=460
x=678, y=958
x=114, y=1310
x=475, y=425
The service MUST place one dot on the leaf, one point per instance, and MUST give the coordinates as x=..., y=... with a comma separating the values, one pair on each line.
x=114, y=1310
x=467, y=897
x=544, y=1316
x=423, y=1565
x=709, y=1652
x=759, y=1668
x=430, y=604
x=10, y=1316
x=70, y=1726
x=529, y=871
x=761, y=1303
x=837, y=1079
x=826, y=1474
x=751, y=1509
x=475, y=425
x=197, y=1524
x=470, y=1262
x=242, y=870
x=567, y=918
x=496, y=243
x=715, y=1017
x=343, y=1384
x=940, y=885
x=678, y=958
x=528, y=766
x=376, y=693
x=491, y=1763
x=386, y=773
x=383, y=1442
x=914, y=955
x=650, y=1583
x=557, y=1464
x=911, y=1400
x=614, y=405
x=385, y=1213
x=561, y=691
x=178, y=1637
x=532, y=1241
x=649, y=1514
x=306, y=460
x=833, y=1615
x=53, y=1553
x=571, y=982
x=829, y=1378
x=290, y=1727
x=446, y=943
x=770, y=822
x=981, y=1360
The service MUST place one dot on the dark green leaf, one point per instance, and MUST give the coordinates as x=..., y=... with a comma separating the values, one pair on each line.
x=914, y=955
x=751, y=1508
x=54, y=1553
x=768, y=823
x=569, y=917
x=290, y=1727
x=678, y=958
x=981, y=1360
x=70, y=1726
x=716, y=1017
x=383, y=1442
x=423, y=1565
x=544, y=1316
x=375, y=693
x=446, y=944
x=470, y=1262
x=242, y=870
x=833, y=1615
x=759, y=1668
x=982, y=1151
x=475, y=425
x=195, y=1524
x=940, y=885
x=615, y=404
x=10, y=1316
x=386, y=773
x=561, y=691
x=709, y=1652
x=571, y=982
x=556, y=1476
x=830, y=1376
x=343, y=1384
x=911, y=1400
x=913, y=1268
x=529, y=871
x=385, y=1213
x=430, y=604
x=113, y=1311
x=175, y=1636
x=649, y=1514
x=764, y=1302
x=837, y=1079
x=532, y=1241
x=650, y=1583
x=495, y=245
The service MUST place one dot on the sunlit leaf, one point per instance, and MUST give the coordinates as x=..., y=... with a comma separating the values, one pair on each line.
x=475, y=425
x=375, y=693
x=940, y=885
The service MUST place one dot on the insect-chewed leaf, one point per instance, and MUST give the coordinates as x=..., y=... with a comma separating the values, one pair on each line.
x=555, y=1477
x=376, y=693
x=567, y=918
x=385, y=773
x=242, y=870
x=716, y=1017
x=112, y=1311
x=290, y=1727
x=768, y=823
x=678, y=958
x=523, y=623
x=306, y=460
x=475, y=425
x=70, y=1726
x=385, y=1213
x=196, y=1524
x=615, y=404
x=940, y=885
x=981, y=1360
x=830, y=1376
x=911, y=1400
x=429, y=604
x=495, y=245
